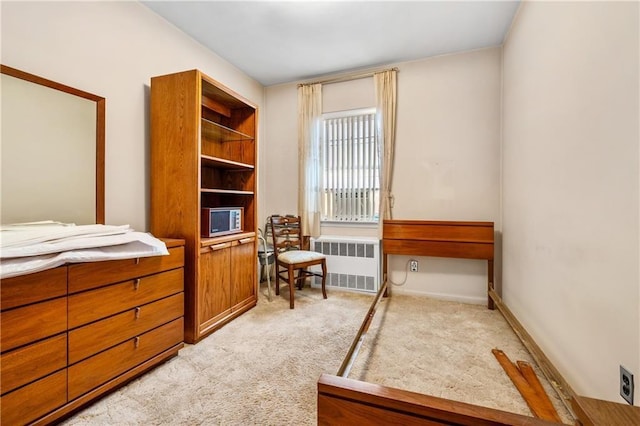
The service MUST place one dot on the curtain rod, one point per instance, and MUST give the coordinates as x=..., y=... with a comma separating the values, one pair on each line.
x=348, y=77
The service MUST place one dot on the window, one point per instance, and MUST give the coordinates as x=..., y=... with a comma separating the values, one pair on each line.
x=350, y=156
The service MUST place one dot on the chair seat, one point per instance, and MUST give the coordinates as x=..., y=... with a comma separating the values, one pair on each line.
x=299, y=256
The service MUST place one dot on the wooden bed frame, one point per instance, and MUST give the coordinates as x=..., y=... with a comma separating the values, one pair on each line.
x=346, y=401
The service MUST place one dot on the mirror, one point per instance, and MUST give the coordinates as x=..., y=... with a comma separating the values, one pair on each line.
x=52, y=157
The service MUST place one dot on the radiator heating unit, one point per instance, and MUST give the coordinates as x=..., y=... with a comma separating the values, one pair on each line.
x=353, y=263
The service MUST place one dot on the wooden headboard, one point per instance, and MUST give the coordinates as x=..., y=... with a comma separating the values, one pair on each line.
x=466, y=240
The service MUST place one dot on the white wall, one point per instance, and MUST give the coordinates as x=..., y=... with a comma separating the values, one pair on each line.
x=571, y=187
x=112, y=49
x=280, y=152
x=447, y=163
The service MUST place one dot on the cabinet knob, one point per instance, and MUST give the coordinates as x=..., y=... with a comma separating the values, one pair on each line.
x=137, y=314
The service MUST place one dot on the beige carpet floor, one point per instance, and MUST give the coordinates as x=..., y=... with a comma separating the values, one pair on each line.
x=445, y=351
x=262, y=368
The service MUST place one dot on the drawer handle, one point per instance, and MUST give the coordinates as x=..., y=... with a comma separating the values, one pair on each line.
x=137, y=260
x=218, y=246
x=245, y=240
x=136, y=284
x=137, y=315
x=136, y=342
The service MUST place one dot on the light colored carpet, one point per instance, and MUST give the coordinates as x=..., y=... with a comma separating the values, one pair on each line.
x=443, y=349
x=262, y=368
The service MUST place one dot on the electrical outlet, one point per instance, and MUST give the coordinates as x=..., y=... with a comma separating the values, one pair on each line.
x=626, y=385
x=413, y=265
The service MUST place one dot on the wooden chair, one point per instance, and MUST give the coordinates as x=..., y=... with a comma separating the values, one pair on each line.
x=290, y=256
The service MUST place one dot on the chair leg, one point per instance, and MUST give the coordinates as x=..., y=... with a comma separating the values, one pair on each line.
x=277, y=280
x=324, y=279
x=292, y=286
x=300, y=279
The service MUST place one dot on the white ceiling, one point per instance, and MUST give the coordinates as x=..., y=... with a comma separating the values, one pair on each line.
x=283, y=41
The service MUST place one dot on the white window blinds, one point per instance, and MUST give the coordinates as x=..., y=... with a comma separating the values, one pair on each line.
x=350, y=167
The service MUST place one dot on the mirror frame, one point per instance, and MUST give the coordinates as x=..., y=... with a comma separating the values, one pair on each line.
x=100, y=126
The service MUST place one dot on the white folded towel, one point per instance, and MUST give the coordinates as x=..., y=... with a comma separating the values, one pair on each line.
x=28, y=248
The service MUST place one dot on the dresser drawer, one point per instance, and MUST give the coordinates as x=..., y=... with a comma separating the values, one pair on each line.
x=32, y=323
x=32, y=288
x=35, y=400
x=106, y=365
x=105, y=301
x=29, y=363
x=86, y=276
x=98, y=336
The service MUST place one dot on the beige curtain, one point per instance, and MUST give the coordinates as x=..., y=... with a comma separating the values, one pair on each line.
x=385, y=87
x=309, y=114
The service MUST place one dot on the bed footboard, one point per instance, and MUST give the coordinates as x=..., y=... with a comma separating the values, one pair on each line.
x=343, y=401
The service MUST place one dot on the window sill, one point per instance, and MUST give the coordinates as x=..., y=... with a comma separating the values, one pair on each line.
x=341, y=224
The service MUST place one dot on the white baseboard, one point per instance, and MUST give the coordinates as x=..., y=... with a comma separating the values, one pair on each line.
x=440, y=296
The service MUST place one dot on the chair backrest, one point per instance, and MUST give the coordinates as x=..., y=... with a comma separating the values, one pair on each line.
x=285, y=233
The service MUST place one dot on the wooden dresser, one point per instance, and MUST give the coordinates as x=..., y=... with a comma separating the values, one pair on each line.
x=73, y=333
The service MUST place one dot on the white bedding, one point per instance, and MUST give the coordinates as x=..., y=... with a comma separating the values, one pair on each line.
x=34, y=247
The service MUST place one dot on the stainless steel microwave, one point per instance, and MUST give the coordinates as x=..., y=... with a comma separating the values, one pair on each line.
x=221, y=221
